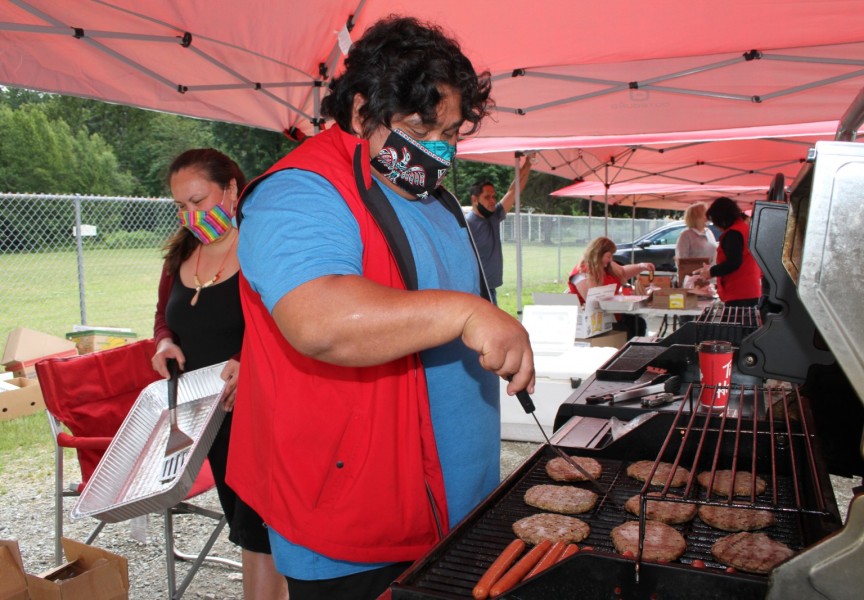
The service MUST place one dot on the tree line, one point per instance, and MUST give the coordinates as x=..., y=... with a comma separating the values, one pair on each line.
x=53, y=144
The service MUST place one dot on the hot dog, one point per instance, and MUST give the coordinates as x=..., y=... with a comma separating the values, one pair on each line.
x=497, y=569
x=518, y=571
x=549, y=559
x=570, y=550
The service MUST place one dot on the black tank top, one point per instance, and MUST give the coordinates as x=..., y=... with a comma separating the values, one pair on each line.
x=211, y=331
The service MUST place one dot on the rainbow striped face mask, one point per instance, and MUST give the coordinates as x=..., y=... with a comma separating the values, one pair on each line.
x=207, y=225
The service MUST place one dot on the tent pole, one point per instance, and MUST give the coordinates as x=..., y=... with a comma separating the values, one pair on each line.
x=606, y=201
x=518, y=239
x=590, y=207
x=316, y=99
x=633, y=232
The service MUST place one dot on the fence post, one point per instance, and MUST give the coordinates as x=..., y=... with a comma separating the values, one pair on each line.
x=558, y=220
x=79, y=247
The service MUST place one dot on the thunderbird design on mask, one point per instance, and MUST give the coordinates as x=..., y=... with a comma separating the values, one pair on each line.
x=399, y=169
x=420, y=169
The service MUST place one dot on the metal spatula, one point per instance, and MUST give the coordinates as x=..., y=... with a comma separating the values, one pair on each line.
x=178, y=442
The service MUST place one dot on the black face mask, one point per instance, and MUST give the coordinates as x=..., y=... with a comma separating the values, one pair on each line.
x=411, y=166
x=484, y=211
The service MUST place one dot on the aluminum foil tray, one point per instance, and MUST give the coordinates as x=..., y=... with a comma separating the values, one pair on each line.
x=126, y=483
x=623, y=303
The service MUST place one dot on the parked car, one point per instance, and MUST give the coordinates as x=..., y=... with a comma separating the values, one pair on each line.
x=656, y=247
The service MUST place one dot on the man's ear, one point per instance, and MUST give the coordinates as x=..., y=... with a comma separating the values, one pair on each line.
x=356, y=121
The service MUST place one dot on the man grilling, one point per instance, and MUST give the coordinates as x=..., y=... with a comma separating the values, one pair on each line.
x=367, y=420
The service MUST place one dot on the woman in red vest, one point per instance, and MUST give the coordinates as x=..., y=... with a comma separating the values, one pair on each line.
x=739, y=279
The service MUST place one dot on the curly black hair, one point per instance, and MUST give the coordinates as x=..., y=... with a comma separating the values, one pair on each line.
x=397, y=66
x=723, y=212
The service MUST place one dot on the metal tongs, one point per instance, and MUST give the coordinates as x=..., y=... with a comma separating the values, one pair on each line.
x=660, y=384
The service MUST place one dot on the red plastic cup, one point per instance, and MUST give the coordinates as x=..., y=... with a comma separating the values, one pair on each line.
x=715, y=368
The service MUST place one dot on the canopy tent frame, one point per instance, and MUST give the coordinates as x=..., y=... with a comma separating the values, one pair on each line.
x=170, y=56
x=650, y=84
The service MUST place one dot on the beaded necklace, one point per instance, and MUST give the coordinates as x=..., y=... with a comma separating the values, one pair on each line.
x=200, y=286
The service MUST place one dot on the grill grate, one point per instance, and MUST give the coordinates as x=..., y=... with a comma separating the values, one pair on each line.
x=729, y=323
x=779, y=449
x=745, y=316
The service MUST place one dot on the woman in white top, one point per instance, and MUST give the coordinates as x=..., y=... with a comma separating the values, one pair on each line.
x=696, y=241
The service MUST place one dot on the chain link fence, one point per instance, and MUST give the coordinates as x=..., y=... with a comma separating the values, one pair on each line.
x=94, y=260
x=553, y=244
x=89, y=260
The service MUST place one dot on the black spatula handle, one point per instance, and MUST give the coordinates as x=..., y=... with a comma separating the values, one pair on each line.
x=174, y=373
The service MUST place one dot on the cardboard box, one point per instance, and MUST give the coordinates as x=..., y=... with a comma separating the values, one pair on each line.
x=672, y=299
x=24, y=398
x=13, y=581
x=686, y=266
x=610, y=339
x=90, y=573
x=662, y=279
x=25, y=347
x=592, y=320
x=94, y=340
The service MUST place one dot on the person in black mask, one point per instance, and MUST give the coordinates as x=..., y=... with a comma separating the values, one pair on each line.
x=367, y=421
x=485, y=222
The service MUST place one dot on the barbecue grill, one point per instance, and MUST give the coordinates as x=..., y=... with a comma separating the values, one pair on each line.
x=779, y=448
x=794, y=415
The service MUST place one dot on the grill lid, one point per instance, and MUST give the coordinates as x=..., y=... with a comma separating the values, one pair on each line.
x=830, y=268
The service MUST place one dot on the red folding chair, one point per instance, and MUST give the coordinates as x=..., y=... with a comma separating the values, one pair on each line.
x=89, y=396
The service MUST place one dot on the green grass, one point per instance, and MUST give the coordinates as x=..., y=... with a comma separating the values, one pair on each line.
x=42, y=294
x=40, y=291
x=544, y=269
x=23, y=439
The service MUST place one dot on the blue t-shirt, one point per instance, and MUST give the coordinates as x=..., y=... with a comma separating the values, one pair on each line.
x=289, y=238
x=487, y=237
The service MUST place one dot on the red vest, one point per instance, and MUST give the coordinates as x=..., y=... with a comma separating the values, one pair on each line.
x=608, y=279
x=745, y=282
x=340, y=460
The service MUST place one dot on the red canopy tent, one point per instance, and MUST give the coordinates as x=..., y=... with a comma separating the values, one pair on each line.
x=559, y=68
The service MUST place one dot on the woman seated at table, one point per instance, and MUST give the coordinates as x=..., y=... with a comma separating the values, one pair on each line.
x=598, y=269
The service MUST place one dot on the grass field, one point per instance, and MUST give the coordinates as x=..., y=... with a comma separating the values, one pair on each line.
x=41, y=290
x=41, y=293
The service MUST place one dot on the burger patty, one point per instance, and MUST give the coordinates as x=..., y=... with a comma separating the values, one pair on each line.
x=662, y=542
x=553, y=527
x=642, y=469
x=560, y=470
x=671, y=513
x=750, y=552
x=567, y=499
x=729, y=518
x=723, y=481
